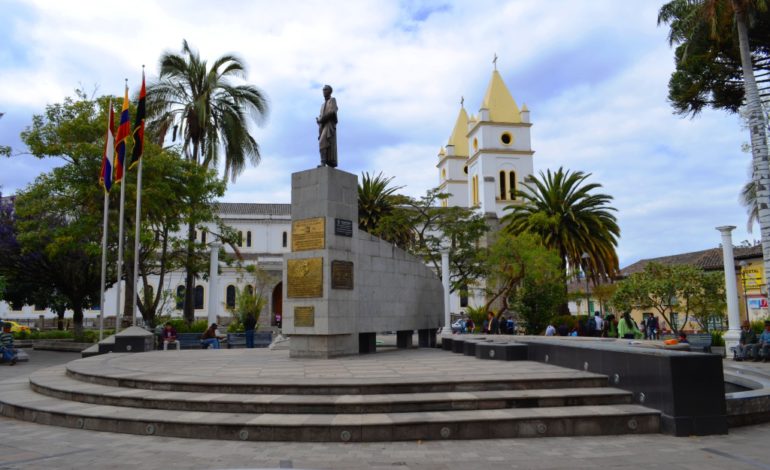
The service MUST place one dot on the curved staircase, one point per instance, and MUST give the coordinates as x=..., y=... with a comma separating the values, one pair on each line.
x=263, y=395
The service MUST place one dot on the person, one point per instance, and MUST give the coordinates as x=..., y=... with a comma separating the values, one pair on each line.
x=563, y=329
x=503, y=325
x=494, y=324
x=278, y=319
x=210, y=337
x=550, y=330
x=249, y=324
x=7, y=351
x=611, y=326
x=683, y=337
x=747, y=344
x=599, y=324
x=764, y=343
x=169, y=337
x=511, y=326
x=327, y=129
x=643, y=325
x=627, y=328
x=469, y=325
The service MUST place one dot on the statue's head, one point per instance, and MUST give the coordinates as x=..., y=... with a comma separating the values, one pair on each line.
x=327, y=91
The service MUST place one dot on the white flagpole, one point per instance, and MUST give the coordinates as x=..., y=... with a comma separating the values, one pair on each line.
x=136, y=235
x=104, y=265
x=118, y=316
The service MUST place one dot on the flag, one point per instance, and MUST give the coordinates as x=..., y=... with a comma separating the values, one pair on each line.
x=139, y=127
x=105, y=178
x=120, y=140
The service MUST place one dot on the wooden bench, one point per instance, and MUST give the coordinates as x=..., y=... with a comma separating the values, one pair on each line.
x=700, y=342
x=262, y=339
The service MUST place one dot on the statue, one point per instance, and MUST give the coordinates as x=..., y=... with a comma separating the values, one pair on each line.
x=327, y=129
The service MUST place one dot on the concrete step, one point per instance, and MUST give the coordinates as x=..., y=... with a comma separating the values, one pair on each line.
x=56, y=383
x=18, y=401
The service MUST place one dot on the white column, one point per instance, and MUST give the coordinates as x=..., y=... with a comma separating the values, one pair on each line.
x=447, y=330
x=213, y=282
x=731, y=289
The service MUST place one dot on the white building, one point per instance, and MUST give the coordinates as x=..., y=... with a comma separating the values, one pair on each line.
x=487, y=157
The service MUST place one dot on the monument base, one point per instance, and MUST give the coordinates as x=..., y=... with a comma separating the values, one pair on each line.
x=323, y=346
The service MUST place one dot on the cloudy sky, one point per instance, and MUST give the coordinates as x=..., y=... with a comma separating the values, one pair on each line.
x=593, y=73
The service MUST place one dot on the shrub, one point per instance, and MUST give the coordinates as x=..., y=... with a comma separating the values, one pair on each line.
x=758, y=326
x=716, y=338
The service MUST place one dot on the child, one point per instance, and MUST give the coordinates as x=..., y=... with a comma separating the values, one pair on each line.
x=6, y=345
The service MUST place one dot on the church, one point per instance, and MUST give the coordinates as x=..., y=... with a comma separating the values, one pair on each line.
x=486, y=158
x=488, y=155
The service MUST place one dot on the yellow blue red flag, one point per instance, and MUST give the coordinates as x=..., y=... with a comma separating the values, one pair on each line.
x=122, y=139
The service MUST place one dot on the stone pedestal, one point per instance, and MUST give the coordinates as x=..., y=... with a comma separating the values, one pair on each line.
x=404, y=339
x=342, y=285
x=134, y=339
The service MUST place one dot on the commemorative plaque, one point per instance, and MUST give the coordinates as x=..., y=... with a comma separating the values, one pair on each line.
x=342, y=274
x=308, y=234
x=304, y=316
x=304, y=278
x=343, y=227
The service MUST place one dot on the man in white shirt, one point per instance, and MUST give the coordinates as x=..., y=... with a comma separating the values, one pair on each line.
x=550, y=330
x=599, y=324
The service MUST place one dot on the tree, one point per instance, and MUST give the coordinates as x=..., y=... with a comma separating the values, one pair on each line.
x=725, y=20
x=212, y=116
x=708, y=302
x=664, y=288
x=603, y=293
x=376, y=200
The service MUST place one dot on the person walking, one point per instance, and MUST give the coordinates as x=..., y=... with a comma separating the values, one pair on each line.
x=627, y=328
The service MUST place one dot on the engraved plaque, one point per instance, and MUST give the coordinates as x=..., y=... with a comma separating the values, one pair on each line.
x=343, y=227
x=304, y=316
x=342, y=274
x=304, y=278
x=308, y=234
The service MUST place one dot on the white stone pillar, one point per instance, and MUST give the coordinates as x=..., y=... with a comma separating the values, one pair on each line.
x=213, y=282
x=447, y=330
x=731, y=289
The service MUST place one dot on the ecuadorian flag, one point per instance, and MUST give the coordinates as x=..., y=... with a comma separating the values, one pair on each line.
x=121, y=140
x=105, y=177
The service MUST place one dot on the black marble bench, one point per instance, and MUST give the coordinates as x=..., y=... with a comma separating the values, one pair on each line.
x=501, y=351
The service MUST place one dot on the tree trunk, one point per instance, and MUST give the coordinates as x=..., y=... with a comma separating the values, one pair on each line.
x=189, y=283
x=77, y=320
x=757, y=127
x=128, y=300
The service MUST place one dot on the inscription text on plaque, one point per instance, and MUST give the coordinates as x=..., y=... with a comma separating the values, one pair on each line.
x=308, y=234
x=304, y=278
x=304, y=316
x=342, y=274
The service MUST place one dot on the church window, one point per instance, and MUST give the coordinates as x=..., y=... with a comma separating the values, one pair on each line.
x=248, y=238
x=180, y=297
x=444, y=203
x=503, y=189
x=475, y=190
x=198, y=297
x=443, y=173
x=285, y=239
x=203, y=237
x=475, y=144
x=240, y=239
x=512, y=185
x=506, y=138
x=465, y=169
x=230, y=296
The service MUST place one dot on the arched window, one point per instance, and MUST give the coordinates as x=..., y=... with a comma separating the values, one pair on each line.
x=203, y=237
x=195, y=234
x=180, y=297
x=503, y=192
x=443, y=173
x=464, y=296
x=230, y=297
x=512, y=185
x=285, y=239
x=240, y=239
x=250, y=289
x=248, y=238
x=475, y=190
x=198, y=297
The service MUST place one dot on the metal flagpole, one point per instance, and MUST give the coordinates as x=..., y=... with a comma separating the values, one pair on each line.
x=104, y=265
x=136, y=235
x=118, y=316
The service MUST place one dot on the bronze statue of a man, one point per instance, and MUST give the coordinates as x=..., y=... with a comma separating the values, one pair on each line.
x=327, y=129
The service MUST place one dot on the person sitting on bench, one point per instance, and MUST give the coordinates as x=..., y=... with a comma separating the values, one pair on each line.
x=169, y=337
x=747, y=345
x=7, y=352
x=210, y=337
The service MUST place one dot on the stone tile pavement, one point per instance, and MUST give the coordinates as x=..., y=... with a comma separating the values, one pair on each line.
x=31, y=446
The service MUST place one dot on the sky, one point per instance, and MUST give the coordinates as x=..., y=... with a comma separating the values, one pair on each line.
x=593, y=73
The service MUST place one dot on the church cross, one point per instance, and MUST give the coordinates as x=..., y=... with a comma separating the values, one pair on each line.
x=494, y=61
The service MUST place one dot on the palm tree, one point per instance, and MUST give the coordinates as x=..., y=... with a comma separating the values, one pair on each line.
x=561, y=209
x=716, y=14
x=381, y=210
x=211, y=115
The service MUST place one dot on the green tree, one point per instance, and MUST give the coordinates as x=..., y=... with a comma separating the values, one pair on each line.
x=603, y=293
x=212, y=115
x=376, y=200
x=708, y=302
x=569, y=217
x=722, y=21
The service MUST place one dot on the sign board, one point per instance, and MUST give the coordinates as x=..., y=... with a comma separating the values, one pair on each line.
x=308, y=234
x=304, y=278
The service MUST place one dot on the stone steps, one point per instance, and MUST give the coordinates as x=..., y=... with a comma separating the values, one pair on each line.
x=17, y=401
x=54, y=382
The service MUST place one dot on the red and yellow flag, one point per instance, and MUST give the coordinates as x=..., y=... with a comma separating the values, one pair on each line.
x=105, y=177
x=121, y=139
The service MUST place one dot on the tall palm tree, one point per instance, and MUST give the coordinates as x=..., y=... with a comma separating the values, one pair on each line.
x=715, y=14
x=379, y=212
x=211, y=114
x=560, y=208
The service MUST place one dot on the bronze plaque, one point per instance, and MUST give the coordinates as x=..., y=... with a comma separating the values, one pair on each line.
x=342, y=274
x=304, y=316
x=308, y=234
x=304, y=278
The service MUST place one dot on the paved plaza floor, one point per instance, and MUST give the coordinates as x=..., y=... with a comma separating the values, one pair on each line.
x=29, y=445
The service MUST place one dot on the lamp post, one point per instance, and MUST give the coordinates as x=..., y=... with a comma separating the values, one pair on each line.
x=447, y=330
x=743, y=265
x=585, y=257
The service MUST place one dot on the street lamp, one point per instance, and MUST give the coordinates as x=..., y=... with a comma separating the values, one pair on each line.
x=585, y=257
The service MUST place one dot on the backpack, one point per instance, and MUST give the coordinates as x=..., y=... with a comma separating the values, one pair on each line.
x=591, y=324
